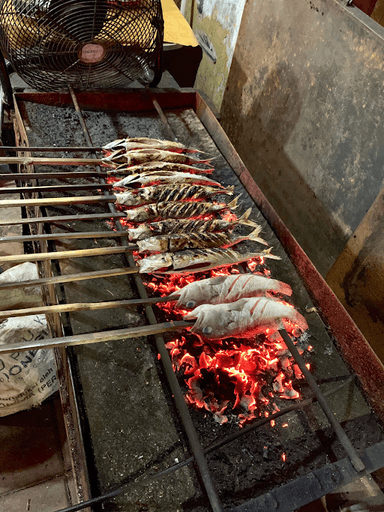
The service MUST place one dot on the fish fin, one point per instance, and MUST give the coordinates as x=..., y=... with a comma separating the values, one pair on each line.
x=230, y=190
x=233, y=204
x=254, y=236
x=244, y=219
x=267, y=254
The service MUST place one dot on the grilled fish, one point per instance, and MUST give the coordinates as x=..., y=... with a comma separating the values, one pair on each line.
x=175, y=210
x=146, y=142
x=179, y=242
x=165, y=178
x=224, y=289
x=197, y=260
x=244, y=318
x=147, y=195
x=123, y=169
x=173, y=226
x=140, y=156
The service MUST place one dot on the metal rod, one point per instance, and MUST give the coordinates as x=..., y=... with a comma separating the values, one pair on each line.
x=164, y=120
x=51, y=149
x=343, y=438
x=95, y=337
x=63, y=255
x=66, y=235
x=75, y=306
x=182, y=407
x=55, y=201
x=64, y=218
x=69, y=278
x=54, y=188
x=25, y=176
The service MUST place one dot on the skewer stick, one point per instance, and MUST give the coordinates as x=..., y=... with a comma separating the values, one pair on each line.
x=96, y=337
x=66, y=235
x=54, y=188
x=24, y=176
x=62, y=255
x=55, y=201
x=69, y=278
x=79, y=306
x=64, y=218
x=51, y=149
x=30, y=160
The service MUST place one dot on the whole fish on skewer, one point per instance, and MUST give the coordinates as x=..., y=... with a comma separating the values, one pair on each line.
x=197, y=260
x=166, y=178
x=146, y=142
x=179, y=242
x=224, y=289
x=244, y=318
x=123, y=169
x=176, y=210
x=139, y=156
x=174, y=226
x=177, y=192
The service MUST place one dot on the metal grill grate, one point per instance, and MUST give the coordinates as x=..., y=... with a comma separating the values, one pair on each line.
x=89, y=44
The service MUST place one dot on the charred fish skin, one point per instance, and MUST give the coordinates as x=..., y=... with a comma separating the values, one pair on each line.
x=244, y=318
x=146, y=142
x=167, y=178
x=139, y=156
x=175, y=210
x=156, y=166
x=179, y=242
x=197, y=260
x=225, y=289
x=162, y=193
x=175, y=226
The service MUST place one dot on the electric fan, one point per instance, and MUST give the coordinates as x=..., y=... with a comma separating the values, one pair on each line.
x=88, y=44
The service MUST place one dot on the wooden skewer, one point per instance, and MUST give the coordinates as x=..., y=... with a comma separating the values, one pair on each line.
x=64, y=218
x=55, y=201
x=96, y=337
x=51, y=149
x=66, y=235
x=69, y=278
x=31, y=160
x=62, y=255
x=54, y=188
x=24, y=176
x=80, y=306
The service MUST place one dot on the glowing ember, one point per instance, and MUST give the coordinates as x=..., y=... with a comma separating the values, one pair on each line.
x=283, y=457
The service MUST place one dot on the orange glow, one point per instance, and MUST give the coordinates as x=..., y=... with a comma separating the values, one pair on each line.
x=284, y=425
x=273, y=423
x=283, y=457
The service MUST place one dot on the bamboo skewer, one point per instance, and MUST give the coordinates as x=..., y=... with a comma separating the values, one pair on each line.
x=55, y=201
x=31, y=160
x=66, y=235
x=52, y=149
x=54, y=188
x=69, y=278
x=64, y=218
x=62, y=255
x=81, y=306
x=96, y=337
x=24, y=176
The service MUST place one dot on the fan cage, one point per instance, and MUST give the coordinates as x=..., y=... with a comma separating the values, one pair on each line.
x=88, y=44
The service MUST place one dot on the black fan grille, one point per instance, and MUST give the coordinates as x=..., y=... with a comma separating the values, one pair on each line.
x=88, y=44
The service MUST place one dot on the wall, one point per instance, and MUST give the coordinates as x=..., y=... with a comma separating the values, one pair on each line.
x=303, y=107
x=217, y=22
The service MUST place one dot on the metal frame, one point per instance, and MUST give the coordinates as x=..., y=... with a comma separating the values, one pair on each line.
x=330, y=309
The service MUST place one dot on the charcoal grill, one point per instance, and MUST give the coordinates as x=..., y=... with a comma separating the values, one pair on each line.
x=96, y=379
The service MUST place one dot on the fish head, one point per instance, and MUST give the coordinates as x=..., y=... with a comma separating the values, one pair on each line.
x=199, y=292
x=155, y=262
x=211, y=321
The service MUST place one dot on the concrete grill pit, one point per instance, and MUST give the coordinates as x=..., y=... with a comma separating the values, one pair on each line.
x=129, y=422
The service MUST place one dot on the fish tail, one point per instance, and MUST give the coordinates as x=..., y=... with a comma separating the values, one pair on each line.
x=244, y=219
x=230, y=190
x=267, y=254
x=254, y=236
x=284, y=289
x=206, y=162
x=233, y=204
